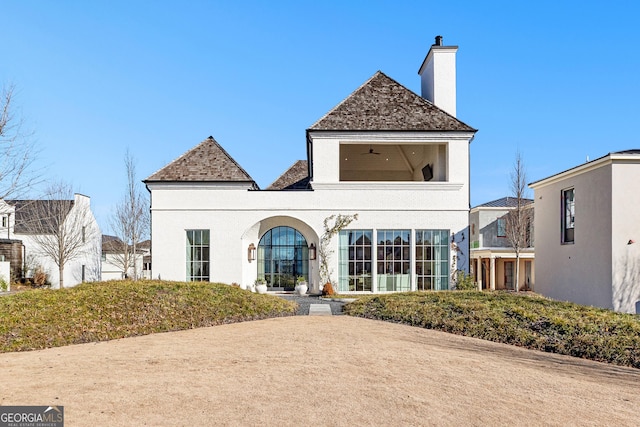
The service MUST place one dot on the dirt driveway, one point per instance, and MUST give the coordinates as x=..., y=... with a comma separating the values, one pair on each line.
x=307, y=370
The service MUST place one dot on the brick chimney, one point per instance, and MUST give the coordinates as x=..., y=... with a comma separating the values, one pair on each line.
x=438, y=75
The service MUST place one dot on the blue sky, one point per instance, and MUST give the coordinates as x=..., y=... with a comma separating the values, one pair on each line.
x=558, y=81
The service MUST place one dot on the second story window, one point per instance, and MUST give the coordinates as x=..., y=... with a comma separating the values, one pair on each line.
x=502, y=227
x=568, y=215
x=4, y=222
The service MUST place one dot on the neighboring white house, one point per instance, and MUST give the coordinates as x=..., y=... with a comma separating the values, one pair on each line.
x=587, y=233
x=398, y=160
x=20, y=222
x=493, y=258
x=113, y=259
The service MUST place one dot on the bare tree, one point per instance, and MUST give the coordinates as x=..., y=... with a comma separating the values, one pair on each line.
x=61, y=228
x=130, y=222
x=17, y=149
x=518, y=219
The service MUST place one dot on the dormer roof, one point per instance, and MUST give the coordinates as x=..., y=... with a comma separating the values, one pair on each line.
x=383, y=104
x=294, y=178
x=206, y=162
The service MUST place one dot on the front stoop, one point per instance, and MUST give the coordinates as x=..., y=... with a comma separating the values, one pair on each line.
x=319, y=310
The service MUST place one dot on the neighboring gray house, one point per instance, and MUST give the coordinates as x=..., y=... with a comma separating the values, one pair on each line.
x=588, y=233
x=492, y=257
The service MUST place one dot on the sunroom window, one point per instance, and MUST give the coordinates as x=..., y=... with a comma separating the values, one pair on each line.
x=394, y=260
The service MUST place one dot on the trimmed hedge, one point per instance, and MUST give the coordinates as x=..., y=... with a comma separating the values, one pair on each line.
x=527, y=320
x=102, y=311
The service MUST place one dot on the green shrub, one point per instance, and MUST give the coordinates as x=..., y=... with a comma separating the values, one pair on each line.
x=464, y=282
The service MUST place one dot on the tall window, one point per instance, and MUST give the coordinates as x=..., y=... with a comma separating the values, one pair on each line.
x=502, y=227
x=197, y=255
x=432, y=260
x=354, y=260
x=283, y=255
x=568, y=215
x=394, y=260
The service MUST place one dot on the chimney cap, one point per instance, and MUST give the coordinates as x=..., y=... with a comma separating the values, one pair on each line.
x=438, y=41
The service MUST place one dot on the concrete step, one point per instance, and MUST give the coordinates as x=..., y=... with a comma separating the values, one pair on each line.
x=319, y=310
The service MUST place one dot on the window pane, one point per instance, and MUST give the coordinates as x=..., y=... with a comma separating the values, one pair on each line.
x=394, y=247
x=197, y=255
x=353, y=273
x=367, y=238
x=432, y=275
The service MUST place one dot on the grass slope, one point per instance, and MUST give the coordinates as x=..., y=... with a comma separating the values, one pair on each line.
x=91, y=312
x=527, y=321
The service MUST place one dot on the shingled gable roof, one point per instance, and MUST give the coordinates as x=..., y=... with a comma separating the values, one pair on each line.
x=381, y=103
x=29, y=215
x=294, y=178
x=206, y=162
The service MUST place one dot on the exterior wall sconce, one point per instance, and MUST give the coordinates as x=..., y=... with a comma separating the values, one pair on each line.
x=631, y=242
x=312, y=251
x=251, y=252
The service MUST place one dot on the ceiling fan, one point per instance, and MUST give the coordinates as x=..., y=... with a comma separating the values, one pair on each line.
x=371, y=151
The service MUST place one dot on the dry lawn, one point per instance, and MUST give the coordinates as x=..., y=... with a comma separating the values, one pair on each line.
x=308, y=370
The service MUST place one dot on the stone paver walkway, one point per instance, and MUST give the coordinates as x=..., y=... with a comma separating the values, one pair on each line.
x=305, y=302
x=319, y=310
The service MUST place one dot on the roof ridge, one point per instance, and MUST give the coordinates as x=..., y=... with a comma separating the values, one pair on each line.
x=179, y=157
x=207, y=150
x=382, y=103
x=426, y=100
x=347, y=97
x=211, y=138
x=504, y=204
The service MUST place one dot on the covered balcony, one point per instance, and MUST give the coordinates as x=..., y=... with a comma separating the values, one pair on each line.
x=393, y=162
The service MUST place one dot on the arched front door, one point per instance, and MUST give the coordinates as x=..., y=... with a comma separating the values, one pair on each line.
x=283, y=255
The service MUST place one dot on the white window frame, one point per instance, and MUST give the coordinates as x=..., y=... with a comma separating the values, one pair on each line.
x=204, y=260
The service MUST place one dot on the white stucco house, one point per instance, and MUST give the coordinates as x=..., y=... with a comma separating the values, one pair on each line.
x=398, y=160
x=493, y=259
x=113, y=259
x=587, y=233
x=24, y=224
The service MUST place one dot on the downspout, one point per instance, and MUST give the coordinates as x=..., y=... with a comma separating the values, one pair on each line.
x=468, y=213
x=150, y=233
x=309, y=157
